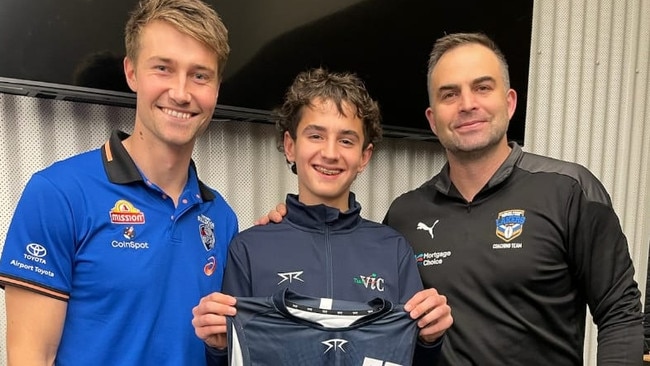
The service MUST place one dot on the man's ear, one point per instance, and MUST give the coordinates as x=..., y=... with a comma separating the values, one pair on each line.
x=511, y=97
x=432, y=120
x=129, y=73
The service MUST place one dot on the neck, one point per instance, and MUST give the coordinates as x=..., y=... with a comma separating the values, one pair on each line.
x=340, y=203
x=164, y=166
x=470, y=172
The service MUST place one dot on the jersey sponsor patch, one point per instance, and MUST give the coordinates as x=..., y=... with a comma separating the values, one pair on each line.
x=210, y=266
x=34, y=259
x=431, y=258
x=124, y=212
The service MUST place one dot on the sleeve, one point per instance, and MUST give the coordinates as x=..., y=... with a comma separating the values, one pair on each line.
x=601, y=263
x=237, y=277
x=409, y=276
x=410, y=283
x=40, y=246
x=427, y=354
x=215, y=357
x=236, y=282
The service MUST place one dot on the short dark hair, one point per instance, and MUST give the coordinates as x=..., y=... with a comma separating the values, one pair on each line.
x=453, y=40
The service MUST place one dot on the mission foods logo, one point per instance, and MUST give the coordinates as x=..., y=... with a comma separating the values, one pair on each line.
x=125, y=213
x=510, y=224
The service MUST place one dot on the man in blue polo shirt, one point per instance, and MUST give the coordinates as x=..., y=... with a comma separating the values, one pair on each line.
x=109, y=250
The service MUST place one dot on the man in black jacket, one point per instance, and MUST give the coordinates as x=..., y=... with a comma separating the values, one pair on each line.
x=521, y=244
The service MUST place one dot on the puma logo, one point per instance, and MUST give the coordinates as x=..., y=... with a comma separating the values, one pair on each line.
x=423, y=226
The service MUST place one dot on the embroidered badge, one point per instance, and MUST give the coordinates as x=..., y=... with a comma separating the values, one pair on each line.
x=510, y=224
x=206, y=230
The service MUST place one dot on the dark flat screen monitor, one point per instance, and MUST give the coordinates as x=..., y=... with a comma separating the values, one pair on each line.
x=73, y=50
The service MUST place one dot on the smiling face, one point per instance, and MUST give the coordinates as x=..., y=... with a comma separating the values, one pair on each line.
x=175, y=78
x=470, y=105
x=328, y=152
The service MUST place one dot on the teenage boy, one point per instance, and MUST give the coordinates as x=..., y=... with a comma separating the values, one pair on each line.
x=328, y=127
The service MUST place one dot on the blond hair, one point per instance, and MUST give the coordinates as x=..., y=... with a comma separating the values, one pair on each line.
x=192, y=17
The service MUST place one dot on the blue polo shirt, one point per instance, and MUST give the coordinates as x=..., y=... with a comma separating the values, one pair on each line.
x=93, y=231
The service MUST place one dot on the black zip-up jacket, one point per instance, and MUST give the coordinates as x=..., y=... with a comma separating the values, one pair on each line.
x=521, y=263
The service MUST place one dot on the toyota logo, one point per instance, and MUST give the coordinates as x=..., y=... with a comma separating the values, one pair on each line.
x=36, y=250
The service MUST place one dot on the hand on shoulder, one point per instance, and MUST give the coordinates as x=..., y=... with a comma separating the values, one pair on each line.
x=274, y=215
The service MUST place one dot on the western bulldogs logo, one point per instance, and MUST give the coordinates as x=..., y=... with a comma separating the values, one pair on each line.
x=206, y=230
x=510, y=224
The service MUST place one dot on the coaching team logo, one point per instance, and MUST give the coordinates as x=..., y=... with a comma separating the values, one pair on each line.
x=510, y=224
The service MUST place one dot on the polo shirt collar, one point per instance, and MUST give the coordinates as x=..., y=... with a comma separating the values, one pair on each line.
x=121, y=169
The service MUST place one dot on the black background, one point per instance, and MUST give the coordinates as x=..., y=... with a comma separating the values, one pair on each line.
x=386, y=42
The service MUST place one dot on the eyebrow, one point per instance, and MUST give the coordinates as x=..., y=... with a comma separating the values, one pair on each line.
x=476, y=81
x=320, y=128
x=168, y=60
x=483, y=79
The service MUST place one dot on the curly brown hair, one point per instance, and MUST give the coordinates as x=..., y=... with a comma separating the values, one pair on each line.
x=192, y=17
x=319, y=83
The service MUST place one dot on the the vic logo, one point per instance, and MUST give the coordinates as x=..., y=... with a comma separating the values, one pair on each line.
x=290, y=276
x=371, y=282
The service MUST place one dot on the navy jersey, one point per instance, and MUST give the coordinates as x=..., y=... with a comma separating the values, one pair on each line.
x=290, y=329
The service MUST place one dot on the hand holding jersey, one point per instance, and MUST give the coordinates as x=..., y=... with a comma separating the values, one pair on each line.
x=209, y=318
x=429, y=307
x=433, y=314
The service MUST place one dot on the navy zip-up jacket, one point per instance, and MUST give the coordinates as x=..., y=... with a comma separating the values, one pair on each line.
x=320, y=251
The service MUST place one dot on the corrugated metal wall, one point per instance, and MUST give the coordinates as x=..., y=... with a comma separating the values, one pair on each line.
x=588, y=97
x=588, y=102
